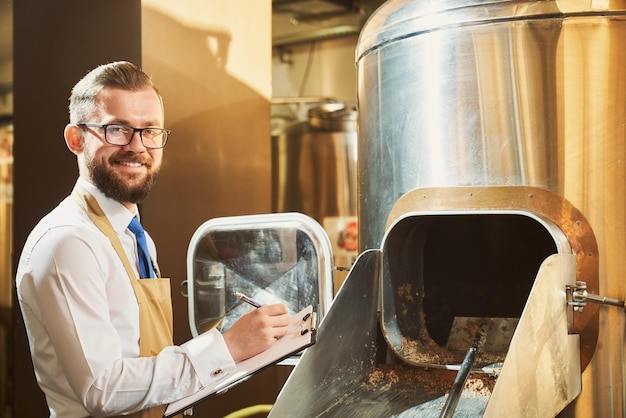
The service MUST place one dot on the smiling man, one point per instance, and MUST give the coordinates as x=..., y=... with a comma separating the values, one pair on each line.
x=97, y=312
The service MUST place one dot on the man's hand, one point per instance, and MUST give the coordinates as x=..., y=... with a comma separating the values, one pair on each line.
x=256, y=331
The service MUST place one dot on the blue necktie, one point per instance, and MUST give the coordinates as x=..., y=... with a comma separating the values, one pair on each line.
x=145, y=265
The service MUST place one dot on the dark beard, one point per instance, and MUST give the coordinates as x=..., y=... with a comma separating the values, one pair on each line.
x=108, y=183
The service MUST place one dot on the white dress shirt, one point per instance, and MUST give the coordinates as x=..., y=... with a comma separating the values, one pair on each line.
x=82, y=321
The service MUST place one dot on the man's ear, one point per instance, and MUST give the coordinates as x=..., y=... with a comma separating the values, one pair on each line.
x=74, y=138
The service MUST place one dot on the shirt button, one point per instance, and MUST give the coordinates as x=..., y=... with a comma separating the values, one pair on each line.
x=217, y=372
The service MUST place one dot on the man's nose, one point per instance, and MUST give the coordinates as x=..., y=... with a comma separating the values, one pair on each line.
x=136, y=141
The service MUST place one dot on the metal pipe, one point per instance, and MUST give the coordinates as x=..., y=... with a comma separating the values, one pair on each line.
x=459, y=382
x=457, y=387
x=302, y=100
x=599, y=299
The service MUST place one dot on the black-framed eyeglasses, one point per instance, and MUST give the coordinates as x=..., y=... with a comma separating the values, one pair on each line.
x=121, y=135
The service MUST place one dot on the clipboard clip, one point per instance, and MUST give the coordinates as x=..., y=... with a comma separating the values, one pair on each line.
x=308, y=327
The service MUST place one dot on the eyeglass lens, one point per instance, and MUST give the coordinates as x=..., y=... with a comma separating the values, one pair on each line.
x=123, y=135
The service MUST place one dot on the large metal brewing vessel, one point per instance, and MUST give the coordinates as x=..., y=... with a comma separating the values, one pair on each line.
x=314, y=172
x=507, y=108
x=314, y=164
x=491, y=186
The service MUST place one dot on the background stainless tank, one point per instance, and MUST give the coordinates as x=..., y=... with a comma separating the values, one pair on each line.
x=314, y=164
x=504, y=93
x=314, y=172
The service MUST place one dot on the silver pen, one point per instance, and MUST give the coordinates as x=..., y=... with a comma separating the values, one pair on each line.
x=248, y=300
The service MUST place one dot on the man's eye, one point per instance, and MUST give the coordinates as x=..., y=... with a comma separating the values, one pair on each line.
x=117, y=129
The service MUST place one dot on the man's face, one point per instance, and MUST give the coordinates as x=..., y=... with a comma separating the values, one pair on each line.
x=124, y=173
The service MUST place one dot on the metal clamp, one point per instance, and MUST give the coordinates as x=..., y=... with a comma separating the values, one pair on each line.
x=577, y=297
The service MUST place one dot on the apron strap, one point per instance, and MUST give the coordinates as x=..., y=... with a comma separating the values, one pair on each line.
x=90, y=205
x=153, y=295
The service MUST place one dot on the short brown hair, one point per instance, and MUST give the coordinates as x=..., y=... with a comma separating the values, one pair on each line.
x=120, y=74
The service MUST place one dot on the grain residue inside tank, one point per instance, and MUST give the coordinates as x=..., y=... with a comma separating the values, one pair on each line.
x=431, y=381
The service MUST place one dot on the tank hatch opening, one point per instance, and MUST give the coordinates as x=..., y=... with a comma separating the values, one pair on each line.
x=447, y=277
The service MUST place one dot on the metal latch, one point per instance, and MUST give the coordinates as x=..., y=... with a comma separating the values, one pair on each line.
x=577, y=297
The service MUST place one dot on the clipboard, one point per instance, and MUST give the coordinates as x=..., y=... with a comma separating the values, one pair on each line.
x=302, y=333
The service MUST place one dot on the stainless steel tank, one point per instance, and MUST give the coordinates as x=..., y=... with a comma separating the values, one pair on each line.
x=504, y=107
x=314, y=164
x=314, y=171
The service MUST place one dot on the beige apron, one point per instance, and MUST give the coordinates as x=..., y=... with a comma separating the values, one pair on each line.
x=153, y=296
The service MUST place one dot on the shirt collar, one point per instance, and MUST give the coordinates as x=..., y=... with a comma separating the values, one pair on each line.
x=116, y=213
